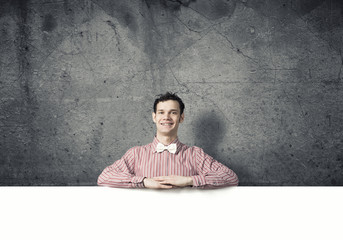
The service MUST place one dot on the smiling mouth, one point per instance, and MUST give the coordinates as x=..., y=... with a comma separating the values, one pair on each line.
x=166, y=124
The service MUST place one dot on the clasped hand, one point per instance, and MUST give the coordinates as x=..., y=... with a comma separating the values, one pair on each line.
x=168, y=182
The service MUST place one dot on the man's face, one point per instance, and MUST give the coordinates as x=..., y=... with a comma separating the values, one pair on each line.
x=167, y=117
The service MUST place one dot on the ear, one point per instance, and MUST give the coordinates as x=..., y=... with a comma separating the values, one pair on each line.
x=182, y=117
x=154, y=117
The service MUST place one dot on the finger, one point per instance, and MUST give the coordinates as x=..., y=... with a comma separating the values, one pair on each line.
x=165, y=183
x=159, y=180
x=166, y=186
x=162, y=179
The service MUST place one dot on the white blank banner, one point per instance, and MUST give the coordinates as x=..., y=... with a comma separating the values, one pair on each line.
x=229, y=213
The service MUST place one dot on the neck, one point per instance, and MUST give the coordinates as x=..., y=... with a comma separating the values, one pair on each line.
x=165, y=140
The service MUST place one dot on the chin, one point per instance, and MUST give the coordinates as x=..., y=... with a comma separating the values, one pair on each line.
x=167, y=132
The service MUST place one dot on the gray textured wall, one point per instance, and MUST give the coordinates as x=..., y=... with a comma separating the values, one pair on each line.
x=262, y=83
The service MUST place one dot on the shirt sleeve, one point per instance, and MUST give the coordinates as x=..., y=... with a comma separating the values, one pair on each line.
x=121, y=173
x=211, y=173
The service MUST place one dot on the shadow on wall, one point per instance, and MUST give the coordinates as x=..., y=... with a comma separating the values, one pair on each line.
x=210, y=130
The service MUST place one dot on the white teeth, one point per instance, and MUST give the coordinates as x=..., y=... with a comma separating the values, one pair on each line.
x=165, y=124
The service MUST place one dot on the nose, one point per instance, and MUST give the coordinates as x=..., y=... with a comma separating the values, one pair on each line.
x=166, y=116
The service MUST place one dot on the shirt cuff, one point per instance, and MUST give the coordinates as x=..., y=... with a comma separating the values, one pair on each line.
x=198, y=181
x=137, y=182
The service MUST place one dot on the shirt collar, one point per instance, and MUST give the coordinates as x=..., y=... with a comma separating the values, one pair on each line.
x=155, y=142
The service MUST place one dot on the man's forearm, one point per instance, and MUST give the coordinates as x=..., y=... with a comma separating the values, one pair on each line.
x=109, y=177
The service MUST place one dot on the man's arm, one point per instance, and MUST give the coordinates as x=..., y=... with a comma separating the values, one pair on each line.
x=121, y=173
x=211, y=173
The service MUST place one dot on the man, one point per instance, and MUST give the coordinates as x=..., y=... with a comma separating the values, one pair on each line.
x=166, y=162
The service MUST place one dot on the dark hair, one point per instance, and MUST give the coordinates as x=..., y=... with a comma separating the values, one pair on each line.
x=169, y=96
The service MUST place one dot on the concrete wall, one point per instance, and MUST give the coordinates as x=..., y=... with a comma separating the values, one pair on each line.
x=262, y=83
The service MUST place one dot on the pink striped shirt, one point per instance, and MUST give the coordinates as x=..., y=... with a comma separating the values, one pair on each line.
x=144, y=161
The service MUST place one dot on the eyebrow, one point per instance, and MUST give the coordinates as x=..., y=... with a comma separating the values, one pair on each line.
x=169, y=110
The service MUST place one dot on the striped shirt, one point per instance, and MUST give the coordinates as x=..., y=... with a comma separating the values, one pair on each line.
x=144, y=161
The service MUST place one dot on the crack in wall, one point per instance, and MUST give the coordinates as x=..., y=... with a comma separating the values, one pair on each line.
x=178, y=81
x=184, y=24
x=113, y=26
x=235, y=49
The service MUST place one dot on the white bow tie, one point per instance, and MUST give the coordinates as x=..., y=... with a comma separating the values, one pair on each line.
x=171, y=148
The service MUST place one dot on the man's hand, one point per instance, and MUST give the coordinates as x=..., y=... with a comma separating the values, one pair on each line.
x=168, y=182
x=151, y=183
x=176, y=181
